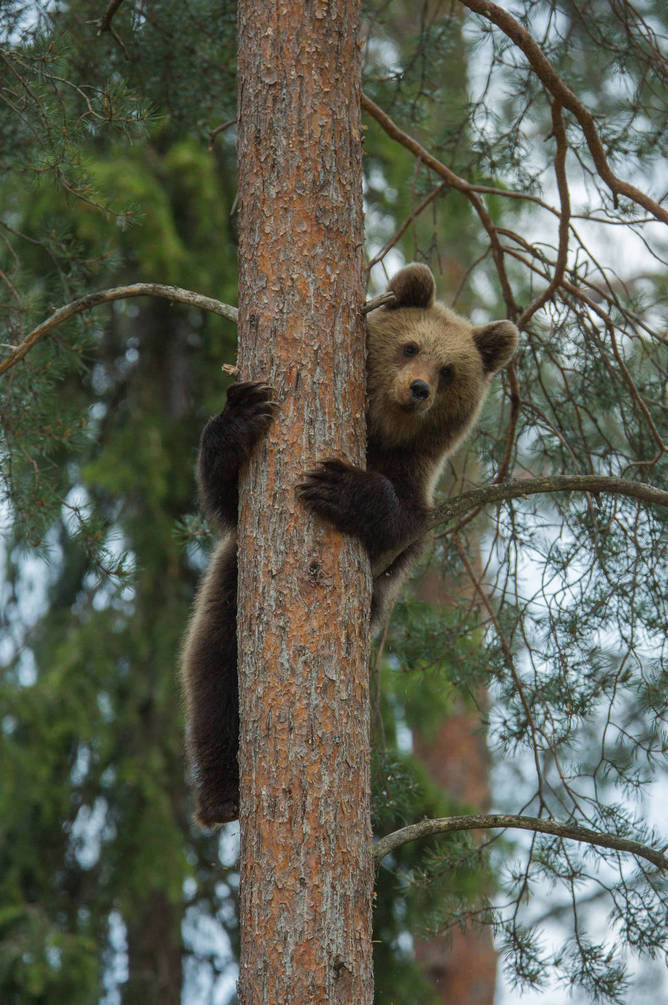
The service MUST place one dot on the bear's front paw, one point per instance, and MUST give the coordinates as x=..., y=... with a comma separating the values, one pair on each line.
x=362, y=503
x=251, y=405
x=248, y=413
x=328, y=490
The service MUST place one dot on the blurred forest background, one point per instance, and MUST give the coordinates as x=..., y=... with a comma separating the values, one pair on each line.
x=525, y=669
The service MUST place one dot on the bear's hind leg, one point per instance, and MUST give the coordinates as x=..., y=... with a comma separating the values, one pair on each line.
x=212, y=693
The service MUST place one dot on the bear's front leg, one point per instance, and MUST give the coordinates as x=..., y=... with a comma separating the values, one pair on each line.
x=226, y=443
x=361, y=503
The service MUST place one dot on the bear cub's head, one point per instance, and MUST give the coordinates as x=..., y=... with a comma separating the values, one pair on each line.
x=429, y=369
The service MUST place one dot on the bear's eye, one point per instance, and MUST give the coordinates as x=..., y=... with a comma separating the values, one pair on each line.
x=411, y=349
x=447, y=373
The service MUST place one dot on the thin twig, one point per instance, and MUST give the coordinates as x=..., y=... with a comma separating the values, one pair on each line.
x=564, y=218
x=515, y=405
x=508, y=653
x=390, y=243
x=383, y=298
x=220, y=129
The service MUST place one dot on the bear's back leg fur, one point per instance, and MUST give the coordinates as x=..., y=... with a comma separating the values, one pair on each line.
x=209, y=662
x=211, y=690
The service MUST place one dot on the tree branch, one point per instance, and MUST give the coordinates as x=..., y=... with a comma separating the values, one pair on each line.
x=395, y=133
x=174, y=293
x=558, y=89
x=475, y=499
x=454, y=181
x=454, y=508
x=503, y=821
x=108, y=16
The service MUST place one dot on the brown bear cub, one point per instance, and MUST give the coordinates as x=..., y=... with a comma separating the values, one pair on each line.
x=428, y=372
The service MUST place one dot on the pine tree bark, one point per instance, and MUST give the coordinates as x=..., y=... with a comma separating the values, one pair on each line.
x=306, y=868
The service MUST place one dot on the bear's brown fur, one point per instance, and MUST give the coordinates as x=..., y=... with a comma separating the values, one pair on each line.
x=428, y=373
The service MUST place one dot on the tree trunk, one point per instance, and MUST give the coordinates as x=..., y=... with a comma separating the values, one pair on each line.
x=154, y=954
x=306, y=868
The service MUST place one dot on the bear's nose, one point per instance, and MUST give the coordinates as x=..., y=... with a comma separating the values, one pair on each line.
x=419, y=390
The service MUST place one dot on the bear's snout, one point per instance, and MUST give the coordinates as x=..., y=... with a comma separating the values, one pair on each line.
x=413, y=393
x=420, y=390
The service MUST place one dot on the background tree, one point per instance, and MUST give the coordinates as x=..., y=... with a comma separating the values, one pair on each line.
x=545, y=158
x=447, y=733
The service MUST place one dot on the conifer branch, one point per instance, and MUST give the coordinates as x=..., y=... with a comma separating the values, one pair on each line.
x=475, y=499
x=563, y=94
x=547, y=484
x=174, y=293
x=108, y=16
x=505, y=821
x=454, y=181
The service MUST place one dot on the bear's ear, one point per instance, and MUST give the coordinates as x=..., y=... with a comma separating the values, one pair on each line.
x=496, y=343
x=413, y=286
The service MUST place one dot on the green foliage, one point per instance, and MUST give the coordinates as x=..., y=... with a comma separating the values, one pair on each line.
x=437, y=657
x=38, y=964
x=425, y=888
x=99, y=429
x=431, y=887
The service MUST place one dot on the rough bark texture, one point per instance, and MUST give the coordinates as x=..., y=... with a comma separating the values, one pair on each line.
x=306, y=868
